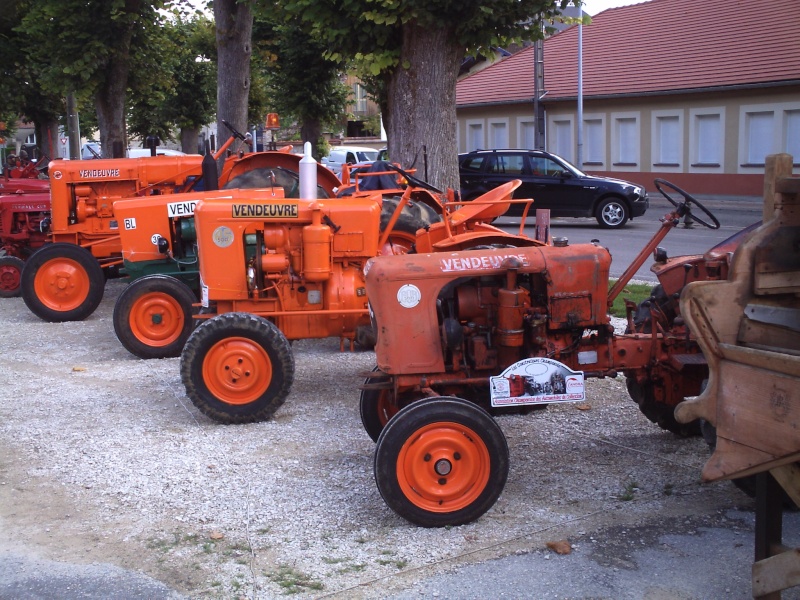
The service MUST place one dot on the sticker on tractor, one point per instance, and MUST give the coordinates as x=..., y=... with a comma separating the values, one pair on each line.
x=265, y=211
x=222, y=236
x=409, y=296
x=537, y=381
x=471, y=263
x=129, y=223
x=181, y=209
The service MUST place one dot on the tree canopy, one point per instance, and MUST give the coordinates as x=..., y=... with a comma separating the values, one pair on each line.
x=415, y=48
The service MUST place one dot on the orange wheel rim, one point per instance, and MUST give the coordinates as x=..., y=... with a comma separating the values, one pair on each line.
x=237, y=370
x=398, y=243
x=443, y=467
x=157, y=319
x=61, y=284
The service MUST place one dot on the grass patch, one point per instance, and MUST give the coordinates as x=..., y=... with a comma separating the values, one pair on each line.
x=629, y=491
x=635, y=292
x=293, y=581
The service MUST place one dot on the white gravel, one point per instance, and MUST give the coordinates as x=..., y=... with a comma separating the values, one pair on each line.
x=104, y=459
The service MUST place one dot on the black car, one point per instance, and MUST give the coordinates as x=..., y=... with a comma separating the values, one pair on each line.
x=553, y=183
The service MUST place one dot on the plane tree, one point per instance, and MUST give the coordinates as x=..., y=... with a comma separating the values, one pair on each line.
x=415, y=48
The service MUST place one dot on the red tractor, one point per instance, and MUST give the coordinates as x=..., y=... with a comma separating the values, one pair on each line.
x=24, y=208
x=476, y=321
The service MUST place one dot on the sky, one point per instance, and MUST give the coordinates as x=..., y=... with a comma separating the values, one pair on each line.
x=595, y=6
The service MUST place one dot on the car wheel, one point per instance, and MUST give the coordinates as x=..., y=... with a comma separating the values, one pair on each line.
x=612, y=213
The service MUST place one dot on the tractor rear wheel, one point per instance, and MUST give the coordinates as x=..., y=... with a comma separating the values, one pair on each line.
x=441, y=461
x=657, y=412
x=376, y=409
x=237, y=368
x=153, y=316
x=414, y=216
x=10, y=275
x=62, y=282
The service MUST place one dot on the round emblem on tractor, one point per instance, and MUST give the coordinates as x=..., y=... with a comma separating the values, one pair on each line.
x=409, y=296
x=222, y=236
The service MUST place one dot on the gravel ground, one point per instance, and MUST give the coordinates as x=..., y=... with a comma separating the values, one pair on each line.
x=104, y=460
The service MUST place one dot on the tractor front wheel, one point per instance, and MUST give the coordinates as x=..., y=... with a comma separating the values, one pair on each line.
x=62, y=282
x=441, y=461
x=237, y=368
x=153, y=316
x=10, y=275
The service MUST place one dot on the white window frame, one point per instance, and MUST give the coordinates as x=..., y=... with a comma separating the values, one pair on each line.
x=494, y=126
x=658, y=162
x=695, y=115
x=553, y=125
x=480, y=124
x=522, y=124
x=596, y=163
x=633, y=156
x=781, y=134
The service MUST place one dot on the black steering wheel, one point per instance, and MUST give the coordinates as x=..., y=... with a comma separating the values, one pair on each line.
x=685, y=207
x=233, y=131
x=413, y=180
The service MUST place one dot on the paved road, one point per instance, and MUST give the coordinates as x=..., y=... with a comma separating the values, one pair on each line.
x=733, y=213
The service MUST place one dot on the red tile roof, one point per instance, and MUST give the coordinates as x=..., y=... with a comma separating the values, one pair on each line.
x=655, y=47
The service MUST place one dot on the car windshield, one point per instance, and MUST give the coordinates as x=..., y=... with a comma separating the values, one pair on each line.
x=546, y=165
x=367, y=156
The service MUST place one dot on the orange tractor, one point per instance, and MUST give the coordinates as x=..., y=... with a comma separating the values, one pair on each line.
x=64, y=280
x=273, y=270
x=475, y=322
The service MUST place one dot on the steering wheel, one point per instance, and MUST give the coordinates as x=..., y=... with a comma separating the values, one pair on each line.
x=686, y=204
x=413, y=180
x=233, y=131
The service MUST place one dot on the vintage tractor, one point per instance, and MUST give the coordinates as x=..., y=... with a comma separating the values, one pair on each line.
x=23, y=221
x=153, y=315
x=473, y=322
x=65, y=280
x=274, y=270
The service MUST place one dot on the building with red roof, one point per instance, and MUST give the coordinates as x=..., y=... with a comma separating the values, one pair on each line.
x=696, y=92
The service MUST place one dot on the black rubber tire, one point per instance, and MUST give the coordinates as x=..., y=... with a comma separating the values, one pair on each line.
x=375, y=411
x=251, y=333
x=10, y=276
x=612, y=213
x=414, y=216
x=84, y=260
x=657, y=412
x=163, y=323
x=475, y=432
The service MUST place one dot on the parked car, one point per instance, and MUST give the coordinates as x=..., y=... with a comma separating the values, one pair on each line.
x=92, y=150
x=553, y=183
x=351, y=155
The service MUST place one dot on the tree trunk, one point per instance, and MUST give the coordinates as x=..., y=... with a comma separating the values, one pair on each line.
x=234, y=22
x=109, y=100
x=432, y=55
x=47, y=138
x=190, y=140
x=311, y=132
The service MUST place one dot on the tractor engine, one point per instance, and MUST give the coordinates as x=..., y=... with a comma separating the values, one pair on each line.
x=296, y=262
x=23, y=223
x=492, y=307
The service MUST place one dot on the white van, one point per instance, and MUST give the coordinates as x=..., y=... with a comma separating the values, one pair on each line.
x=351, y=155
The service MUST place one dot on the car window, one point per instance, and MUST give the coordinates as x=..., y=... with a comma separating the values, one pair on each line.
x=541, y=165
x=506, y=164
x=472, y=163
x=351, y=158
x=367, y=156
